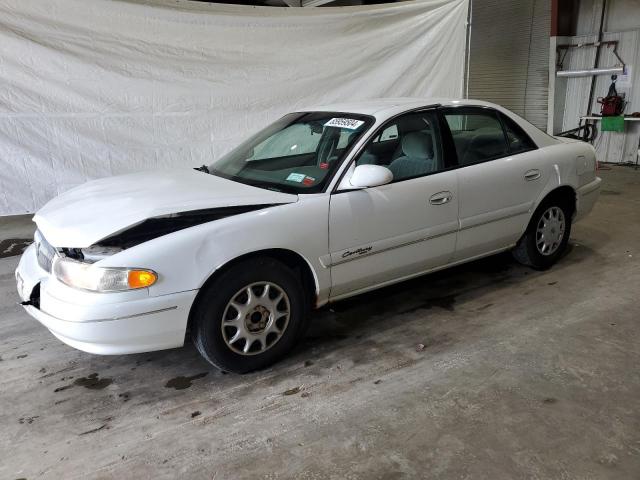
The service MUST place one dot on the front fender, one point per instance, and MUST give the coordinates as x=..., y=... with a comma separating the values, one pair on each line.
x=185, y=259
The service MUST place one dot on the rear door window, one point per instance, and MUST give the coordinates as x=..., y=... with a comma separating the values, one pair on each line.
x=477, y=134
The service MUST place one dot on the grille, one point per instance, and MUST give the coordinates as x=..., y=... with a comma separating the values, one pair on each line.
x=44, y=252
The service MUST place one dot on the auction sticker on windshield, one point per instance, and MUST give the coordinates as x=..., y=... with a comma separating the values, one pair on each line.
x=296, y=177
x=350, y=123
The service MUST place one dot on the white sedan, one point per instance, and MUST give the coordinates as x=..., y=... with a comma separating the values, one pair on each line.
x=321, y=205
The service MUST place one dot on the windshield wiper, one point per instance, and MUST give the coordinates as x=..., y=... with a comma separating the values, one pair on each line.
x=203, y=168
x=259, y=184
x=244, y=180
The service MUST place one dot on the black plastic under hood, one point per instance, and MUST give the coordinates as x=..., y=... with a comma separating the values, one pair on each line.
x=158, y=226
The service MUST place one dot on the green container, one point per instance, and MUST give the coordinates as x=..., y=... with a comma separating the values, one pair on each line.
x=613, y=124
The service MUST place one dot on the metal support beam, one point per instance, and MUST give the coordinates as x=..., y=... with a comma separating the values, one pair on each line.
x=597, y=59
x=467, y=50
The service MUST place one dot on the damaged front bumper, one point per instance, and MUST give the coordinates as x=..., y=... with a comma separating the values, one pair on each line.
x=102, y=323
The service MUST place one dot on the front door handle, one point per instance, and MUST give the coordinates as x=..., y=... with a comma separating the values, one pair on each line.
x=440, y=198
x=532, y=175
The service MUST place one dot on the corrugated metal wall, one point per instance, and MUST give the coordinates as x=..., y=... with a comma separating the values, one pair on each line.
x=509, y=60
x=610, y=146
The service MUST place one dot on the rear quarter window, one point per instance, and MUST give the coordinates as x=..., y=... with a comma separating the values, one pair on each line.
x=517, y=138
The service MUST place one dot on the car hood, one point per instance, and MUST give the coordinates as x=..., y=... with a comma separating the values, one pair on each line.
x=90, y=212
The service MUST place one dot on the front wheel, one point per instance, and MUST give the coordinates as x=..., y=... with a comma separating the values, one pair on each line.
x=547, y=235
x=250, y=316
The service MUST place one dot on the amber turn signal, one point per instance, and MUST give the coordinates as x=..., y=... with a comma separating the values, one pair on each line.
x=141, y=278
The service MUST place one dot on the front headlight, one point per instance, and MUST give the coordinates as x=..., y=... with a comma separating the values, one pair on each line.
x=89, y=276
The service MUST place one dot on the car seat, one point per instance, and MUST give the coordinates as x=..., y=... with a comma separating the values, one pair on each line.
x=417, y=158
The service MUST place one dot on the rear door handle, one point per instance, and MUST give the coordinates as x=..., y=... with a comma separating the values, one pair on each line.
x=440, y=198
x=532, y=175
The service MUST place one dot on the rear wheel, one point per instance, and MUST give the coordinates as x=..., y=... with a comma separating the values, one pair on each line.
x=250, y=316
x=547, y=235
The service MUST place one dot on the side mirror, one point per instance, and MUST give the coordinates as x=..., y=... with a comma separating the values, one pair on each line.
x=365, y=176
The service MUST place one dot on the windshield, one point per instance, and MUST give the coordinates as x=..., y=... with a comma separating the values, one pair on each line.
x=298, y=153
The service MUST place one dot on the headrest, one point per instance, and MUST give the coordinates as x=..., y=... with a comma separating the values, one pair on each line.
x=417, y=145
x=487, y=136
x=488, y=131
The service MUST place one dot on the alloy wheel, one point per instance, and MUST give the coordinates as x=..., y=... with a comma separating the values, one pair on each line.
x=255, y=318
x=550, y=231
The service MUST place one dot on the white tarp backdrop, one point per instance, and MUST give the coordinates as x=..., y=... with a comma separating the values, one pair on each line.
x=91, y=88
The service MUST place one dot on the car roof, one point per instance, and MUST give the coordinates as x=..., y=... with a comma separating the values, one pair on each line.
x=382, y=108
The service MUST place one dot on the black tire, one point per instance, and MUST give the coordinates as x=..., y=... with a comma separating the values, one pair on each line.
x=527, y=251
x=212, y=304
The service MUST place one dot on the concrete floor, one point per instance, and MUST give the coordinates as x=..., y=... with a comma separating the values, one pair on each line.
x=524, y=374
